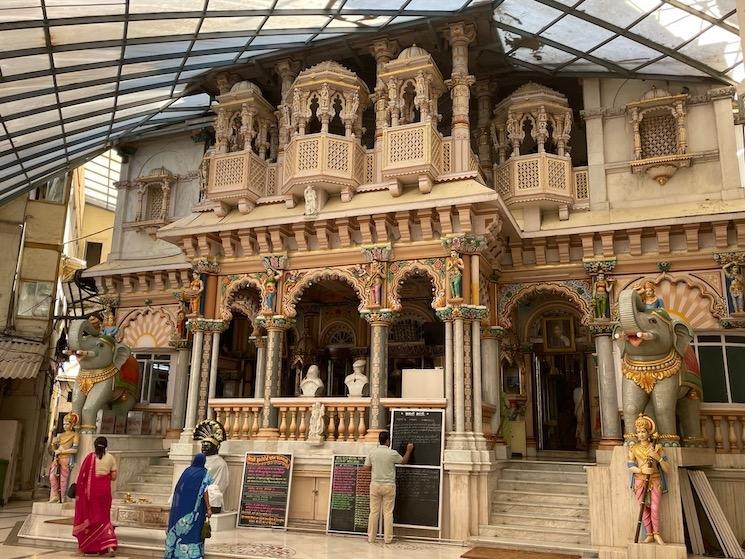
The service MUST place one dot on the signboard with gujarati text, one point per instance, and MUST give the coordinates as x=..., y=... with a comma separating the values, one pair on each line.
x=265, y=490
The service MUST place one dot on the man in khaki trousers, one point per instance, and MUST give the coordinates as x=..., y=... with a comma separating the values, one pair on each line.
x=382, y=460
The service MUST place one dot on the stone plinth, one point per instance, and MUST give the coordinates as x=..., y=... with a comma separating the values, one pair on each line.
x=654, y=551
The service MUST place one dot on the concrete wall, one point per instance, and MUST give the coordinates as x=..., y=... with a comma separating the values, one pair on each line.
x=98, y=226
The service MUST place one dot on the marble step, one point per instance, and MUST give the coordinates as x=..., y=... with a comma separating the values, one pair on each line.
x=548, y=465
x=543, y=475
x=583, y=550
x=536, y=533
x=522, y=520
x=155, y=488
x=162, y=461
x=543, y=486
x=159, y=470
x=541, y=509
x=521, y=496
x=153, y=498
x=158, y=479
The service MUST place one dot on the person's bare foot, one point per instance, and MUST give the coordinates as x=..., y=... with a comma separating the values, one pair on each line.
x=659, y=539
x=649, y=538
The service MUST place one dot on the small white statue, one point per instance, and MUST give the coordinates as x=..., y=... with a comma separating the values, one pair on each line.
x=311, y=200
x=312, y=384
x=356, y=381
x=317, y=415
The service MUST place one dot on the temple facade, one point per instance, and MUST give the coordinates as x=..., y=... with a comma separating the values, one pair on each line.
x=406, y=206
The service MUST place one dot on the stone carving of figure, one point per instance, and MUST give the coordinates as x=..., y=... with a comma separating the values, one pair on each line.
x=312, y=384
x=375, y=283
x=270, y=288
x=181, y=324
x=311, y=200
x=204, y=173
x=454, y=268
x=109, y=324
x=65, y=447
x=356, y=381
x=211, y=434
x=648, y=465
x=315, y=431
x=649, y=297
x=736, y=286
x=601, y=291
x=193, y=293
x=235, y=142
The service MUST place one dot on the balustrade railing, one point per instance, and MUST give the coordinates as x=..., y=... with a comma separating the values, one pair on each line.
x=239, y=416
x=723, y=428
x=157, y=422
x=345, y=419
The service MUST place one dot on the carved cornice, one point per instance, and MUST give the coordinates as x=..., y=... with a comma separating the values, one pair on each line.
x=207, y=325
x=721, y=92
x=596, y=265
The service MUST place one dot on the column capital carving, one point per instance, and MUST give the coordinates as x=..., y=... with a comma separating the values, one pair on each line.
x=384, y=48
x=493, y=332
x=380, y=253
x=274, y=261
x=600, y=327
x=730, y=322
x=207, y=325
x=259, y=341
x=205, y=265
x=726, y=92
x=597, y=265
x=724, y=258
x=460, y=33
x=274, y=323
x=180, y=343
x=468, y=243
x=381, y=317
x=465, y=312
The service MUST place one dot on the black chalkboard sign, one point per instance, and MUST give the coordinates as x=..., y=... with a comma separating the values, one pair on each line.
x=417, y=497
x=349, y=501
x=424, y=429
x=265, y=491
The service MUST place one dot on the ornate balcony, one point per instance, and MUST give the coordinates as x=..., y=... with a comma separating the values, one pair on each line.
x=412, y=154
x=332, y=162
x=236, y=179
x=538, y=179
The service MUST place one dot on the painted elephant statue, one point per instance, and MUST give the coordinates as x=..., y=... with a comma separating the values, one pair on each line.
x=661, y=374
x=109, y=375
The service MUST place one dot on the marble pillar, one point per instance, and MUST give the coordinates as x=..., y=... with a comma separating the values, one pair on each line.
x=383, y=50
x=477, y=380
x=192, y=399
x=380, y=322
x=213, y=371
x=460, y=35
x=204, y=375
x=467, y=377
x=610, y=421
x=483, y=100
x=459, y=376
x=180, y=385
x=275, y=327
x=260, y=342
x=449, y=375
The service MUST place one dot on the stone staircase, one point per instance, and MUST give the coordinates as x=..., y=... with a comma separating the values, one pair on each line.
x=153, y=484
x=540, y=505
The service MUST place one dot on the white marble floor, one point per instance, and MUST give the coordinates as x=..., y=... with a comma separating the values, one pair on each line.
x=244, y=543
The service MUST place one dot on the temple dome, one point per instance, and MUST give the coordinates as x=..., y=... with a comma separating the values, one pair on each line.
x=412, y=52
x=244, y=86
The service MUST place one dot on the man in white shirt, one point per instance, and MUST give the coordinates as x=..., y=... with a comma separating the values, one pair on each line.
x=382, y=461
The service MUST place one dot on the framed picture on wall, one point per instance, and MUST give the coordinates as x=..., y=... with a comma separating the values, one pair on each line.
x=510, y=378
x=558, y=334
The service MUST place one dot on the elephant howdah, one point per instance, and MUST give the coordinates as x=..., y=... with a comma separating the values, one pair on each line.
x=109, y=375
x=661, y=375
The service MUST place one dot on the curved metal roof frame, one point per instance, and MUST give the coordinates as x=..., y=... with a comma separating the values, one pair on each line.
x=79, y=75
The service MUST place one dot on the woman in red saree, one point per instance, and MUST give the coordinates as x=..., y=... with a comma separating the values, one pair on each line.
x=92, y=526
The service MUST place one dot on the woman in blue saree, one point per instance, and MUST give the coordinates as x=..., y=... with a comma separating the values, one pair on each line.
x=189, y=510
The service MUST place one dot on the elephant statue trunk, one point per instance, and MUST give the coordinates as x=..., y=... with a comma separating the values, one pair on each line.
x=660, y=370
x=109, y=375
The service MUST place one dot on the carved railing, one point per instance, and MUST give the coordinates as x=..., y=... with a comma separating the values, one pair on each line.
x=345, y=419
x=370, y=166
x=337, y=163
x=535, y=178
x=412, y=150
x=581, y=184
x=723, y=427
x=158, y=420
x=241, y=417
x=237, y=176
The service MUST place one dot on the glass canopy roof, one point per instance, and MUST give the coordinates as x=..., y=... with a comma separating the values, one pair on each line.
x=78, y=75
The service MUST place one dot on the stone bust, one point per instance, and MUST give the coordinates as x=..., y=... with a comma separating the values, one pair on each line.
x=312, y=385
x=356, y=381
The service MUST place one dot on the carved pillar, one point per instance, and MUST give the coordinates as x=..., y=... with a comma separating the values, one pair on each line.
x=260, y=342
x=275, y=327
x=213, y=371
x=208, y=361
x=467, y=374
x=483, y=98
x=192, y=400
x=449, y=374
x=383, y=51
x=610, y=422
x=287, y=69
x=459, y=373
x=460, y=35
x=181, y=384
x=380, y=322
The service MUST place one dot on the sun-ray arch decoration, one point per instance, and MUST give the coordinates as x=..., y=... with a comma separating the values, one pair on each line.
x=297, y=281
x=148, y=327
x=231, y=288
x=574, y=291
x=400, y=271
x=693, y=298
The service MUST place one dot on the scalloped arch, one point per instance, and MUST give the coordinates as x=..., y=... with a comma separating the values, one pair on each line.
x=293, y=290
x=405, y=270
x=231, y=291
x=551, y=288
x=147, y=328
